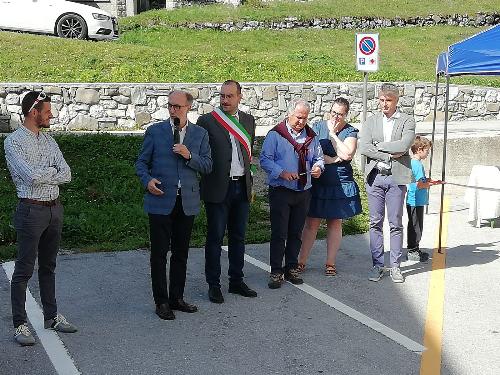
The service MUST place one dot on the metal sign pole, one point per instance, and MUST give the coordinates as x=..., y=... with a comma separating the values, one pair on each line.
x=363, y=118
x=365, y=96
x=433, y=133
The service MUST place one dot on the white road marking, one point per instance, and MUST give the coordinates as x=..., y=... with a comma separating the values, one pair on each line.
x=57, y=352
x=349, y=311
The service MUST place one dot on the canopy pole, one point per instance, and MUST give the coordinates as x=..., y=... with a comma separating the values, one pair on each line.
x=433, y=132
x=443, y=169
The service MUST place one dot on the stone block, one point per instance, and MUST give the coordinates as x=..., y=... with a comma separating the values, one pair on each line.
x=309, y=95
x=161, y=114
x=491, y=96
x=107, y=123
x=193, y=116
x=122, y=99
x=409, y=90
x=81, y=107
x=194, y=91
x=83, y=122
x=205, y=108
x=126, y=124
x=108, y=104
x=52, y=90
x=321, y=90
x=295, y=89
x=204, y=94
x=97, y=111
x=12, y=99
x=15, y=121
x=250, y=98
x=116, y=113
x=269, y=93
x=125, y=91
x=111, y=91
x=87, y=96
x=162, y=101
x=14, y=109
x=493, y=107
x=138, y=95
x=142, y=118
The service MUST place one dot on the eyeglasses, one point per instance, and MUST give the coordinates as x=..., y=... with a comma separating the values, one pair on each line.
x=39, y=98
x=175, y=106
x=336, y=114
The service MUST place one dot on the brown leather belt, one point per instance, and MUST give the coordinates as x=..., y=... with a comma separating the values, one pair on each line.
x=40, y=203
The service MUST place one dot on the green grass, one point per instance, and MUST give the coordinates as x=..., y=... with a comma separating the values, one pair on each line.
x=278, y=10
x=103, y=203
x=177, y=55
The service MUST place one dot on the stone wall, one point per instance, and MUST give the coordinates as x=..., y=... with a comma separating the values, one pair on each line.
x=351, y=23
x=128, y=106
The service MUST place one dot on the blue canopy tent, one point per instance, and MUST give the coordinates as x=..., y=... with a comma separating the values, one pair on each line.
x=476, y=55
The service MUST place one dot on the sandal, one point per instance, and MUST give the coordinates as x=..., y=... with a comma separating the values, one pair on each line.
x=330, y=270
x=301, y=267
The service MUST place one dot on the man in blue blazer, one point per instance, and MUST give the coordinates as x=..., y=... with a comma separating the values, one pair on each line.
x=173, y=153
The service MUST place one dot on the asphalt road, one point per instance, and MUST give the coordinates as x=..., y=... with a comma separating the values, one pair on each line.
x=284, y=331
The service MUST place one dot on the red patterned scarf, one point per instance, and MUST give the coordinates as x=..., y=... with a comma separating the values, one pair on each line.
x=300, y=148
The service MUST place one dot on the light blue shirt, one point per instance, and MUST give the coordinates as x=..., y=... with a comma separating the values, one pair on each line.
x=278, y=155
x=417, y=197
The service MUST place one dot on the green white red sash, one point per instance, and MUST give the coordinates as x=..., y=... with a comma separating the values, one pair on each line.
x=233, y=126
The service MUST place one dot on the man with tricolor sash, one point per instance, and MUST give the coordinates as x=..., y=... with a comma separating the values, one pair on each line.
x=227, y=190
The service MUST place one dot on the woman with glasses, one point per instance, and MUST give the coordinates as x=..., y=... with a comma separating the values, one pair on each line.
x=335, y=195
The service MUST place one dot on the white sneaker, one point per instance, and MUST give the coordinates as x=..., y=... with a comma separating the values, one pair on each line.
x=396, y=275
x=23, y=335
x=59, y=324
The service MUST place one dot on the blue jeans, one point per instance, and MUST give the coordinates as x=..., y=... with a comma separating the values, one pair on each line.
x=232, y=213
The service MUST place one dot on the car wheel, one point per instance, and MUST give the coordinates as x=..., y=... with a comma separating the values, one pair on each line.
x=72, y=26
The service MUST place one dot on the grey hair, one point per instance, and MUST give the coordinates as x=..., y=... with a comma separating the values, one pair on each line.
x=298, y=102
x=389, y=89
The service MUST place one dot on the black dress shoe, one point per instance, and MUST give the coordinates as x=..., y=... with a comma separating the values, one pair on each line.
x=215, y=295
x=242, y=289
x=183, y=306
x=164, y=312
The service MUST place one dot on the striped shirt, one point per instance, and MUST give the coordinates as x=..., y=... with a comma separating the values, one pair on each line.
x=36, y=164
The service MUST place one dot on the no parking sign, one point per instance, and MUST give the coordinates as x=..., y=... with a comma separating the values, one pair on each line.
x=367, y=47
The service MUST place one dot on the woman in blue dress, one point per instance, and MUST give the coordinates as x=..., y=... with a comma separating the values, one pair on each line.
x=335, y=195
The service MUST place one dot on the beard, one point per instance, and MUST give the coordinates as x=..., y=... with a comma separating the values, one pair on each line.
x=41, y=123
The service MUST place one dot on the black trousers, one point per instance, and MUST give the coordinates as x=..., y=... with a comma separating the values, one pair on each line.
x=415, y=226
x=231, y=213
x=38, y=231
x=288, y=211
x=169, y=232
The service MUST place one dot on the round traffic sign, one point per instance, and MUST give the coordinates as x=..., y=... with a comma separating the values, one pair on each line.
x=367, y=45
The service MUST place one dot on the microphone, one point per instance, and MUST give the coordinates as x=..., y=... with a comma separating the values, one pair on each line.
x=177, y=136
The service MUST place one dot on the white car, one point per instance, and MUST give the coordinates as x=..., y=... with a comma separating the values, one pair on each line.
x=59, y=17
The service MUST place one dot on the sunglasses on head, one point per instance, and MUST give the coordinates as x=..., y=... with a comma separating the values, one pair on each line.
x=39, y=98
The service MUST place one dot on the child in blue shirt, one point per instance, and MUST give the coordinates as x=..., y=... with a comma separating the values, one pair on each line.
x=417, y=197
